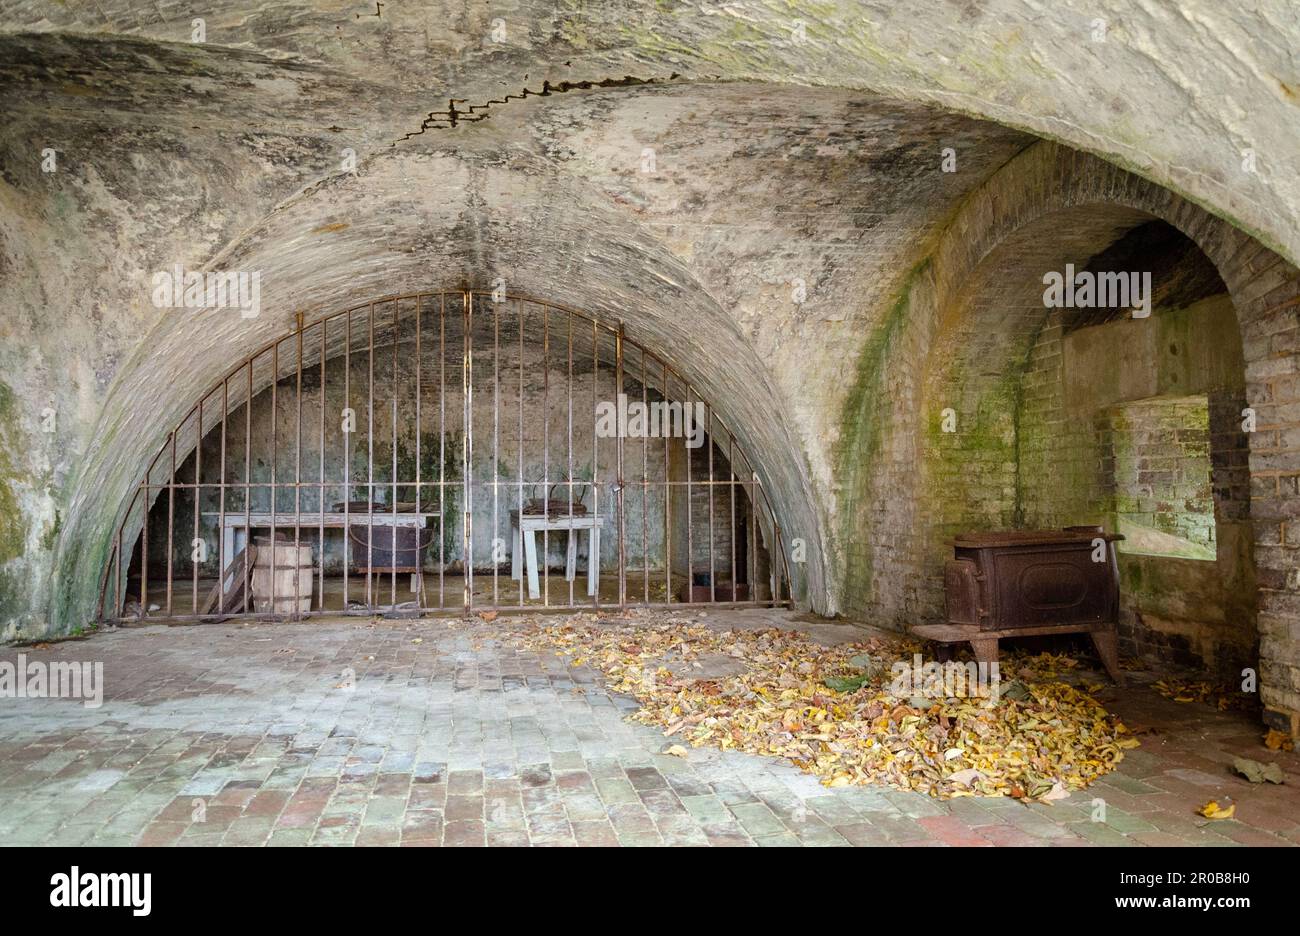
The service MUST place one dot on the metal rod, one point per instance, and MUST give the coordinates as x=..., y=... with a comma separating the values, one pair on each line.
x=570, y=545
x=496, y=439
x=708, y=441
x=668, y=519
x=419, y=432
x=297, y=479
x=248, y=478
x=349, y=426
x=544, y=561
x=442, y=448
x=618, y=470
x=171, y=522
x=275, y=453
x=645, y=490
x=519, y=543
x=467, y=450
x=198, y=502
x=320, y=501
x=392, y=539
x=370, y=461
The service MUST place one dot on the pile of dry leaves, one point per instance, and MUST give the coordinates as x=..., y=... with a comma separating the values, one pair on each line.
x=766, y=692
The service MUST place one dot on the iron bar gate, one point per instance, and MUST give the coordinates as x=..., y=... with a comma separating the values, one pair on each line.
x=240, y=460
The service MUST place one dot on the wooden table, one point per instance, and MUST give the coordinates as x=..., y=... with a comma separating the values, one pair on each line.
x=524, y=534
x=234, y=532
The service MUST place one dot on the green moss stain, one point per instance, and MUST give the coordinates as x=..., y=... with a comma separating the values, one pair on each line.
x=13, y=525
x=861, y=433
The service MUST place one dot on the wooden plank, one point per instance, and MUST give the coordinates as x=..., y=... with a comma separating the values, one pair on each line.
x=232, y=583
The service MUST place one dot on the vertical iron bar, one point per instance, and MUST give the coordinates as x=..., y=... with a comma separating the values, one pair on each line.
x=144, y=550
x=370, y=462
x=442, y=447
x=275, y=457
x=544, y=559
x=731, y=487
x=198, y=502
x=496, y=440
x=221, y=505
x=467, y=449
x=645, y=487
x=570, y=543
x=690, y=516
x=297, y=483
x=347, y=454
x=171, y=522
x=419, y=431
x=320, y=503
x=668, y=495
x=592, y=555
x=392, y=539
x=708, y=440
x=248, y=481
x=618, y=445
x=519, y=543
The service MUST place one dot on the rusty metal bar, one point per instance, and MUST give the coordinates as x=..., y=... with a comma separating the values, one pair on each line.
x=731, y=489
x=171, y=522
x=392, y=539
x=349, y=426
x=618, y=470
x=442, y=449
x=690, y=506
x=593, y=555
x=419, y=433
x=645, y=489
x=571, y=545
x=248, y=481
x=518, y=544
x=544, y=560
x=275, y=452
x=708, y=441
x=467, y=450
x=198, y=504
x=297, y=477
x=370, y=461
x=668, y=491
x=320, y=503
x=496, y=442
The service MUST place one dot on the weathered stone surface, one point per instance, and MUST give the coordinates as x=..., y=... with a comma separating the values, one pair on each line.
x=755, y=183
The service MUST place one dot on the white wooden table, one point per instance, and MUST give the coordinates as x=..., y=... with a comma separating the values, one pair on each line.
x=523, y=539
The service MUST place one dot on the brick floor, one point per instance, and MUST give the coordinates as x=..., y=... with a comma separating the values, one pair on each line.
x=232, y=734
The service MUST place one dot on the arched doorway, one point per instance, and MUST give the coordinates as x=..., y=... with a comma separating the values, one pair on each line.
x=446, y=451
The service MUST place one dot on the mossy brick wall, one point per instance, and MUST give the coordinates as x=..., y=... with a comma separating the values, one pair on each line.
x=1057, y=477
x=1158, y=457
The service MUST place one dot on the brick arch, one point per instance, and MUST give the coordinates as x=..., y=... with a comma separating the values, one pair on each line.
x=1049, y=183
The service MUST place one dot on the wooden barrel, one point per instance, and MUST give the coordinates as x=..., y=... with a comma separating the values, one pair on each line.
x=288, y=570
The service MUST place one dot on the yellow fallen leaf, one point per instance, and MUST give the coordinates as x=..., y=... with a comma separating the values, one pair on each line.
x=676, y=750
x=1212, y=810
x=1278, y=741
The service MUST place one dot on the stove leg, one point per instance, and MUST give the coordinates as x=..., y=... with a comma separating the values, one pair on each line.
x=1106, y=643
x=985, y=649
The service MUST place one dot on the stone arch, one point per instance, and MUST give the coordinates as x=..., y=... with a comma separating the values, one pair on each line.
x=1017, y=211
x=408, y=220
